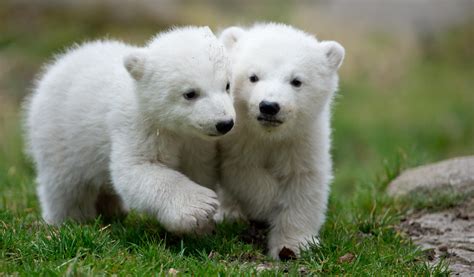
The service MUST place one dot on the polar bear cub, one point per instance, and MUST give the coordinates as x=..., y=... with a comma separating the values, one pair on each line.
x=276, y=164
x=113, y=127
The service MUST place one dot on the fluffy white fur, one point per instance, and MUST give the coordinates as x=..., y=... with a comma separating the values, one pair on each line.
x=277, y=168
x=109, y=129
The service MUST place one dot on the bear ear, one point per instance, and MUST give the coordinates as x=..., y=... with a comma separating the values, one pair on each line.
x=135, y=64
x=231, y=36
x=334, y=53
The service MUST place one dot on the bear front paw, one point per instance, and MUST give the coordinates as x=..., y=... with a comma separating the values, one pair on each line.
x=193, y=213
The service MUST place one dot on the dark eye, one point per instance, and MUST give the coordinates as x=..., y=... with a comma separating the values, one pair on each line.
x=253, y=78
x=296, y=83
x=190, y=95
x=227, y=87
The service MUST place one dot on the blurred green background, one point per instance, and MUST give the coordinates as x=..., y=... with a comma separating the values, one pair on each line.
x=406, y=83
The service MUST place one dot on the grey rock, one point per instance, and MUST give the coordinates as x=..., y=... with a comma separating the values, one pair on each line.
x=457, y=174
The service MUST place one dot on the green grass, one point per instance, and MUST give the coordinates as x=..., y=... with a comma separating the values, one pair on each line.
x=435, y=200
x=361, y=225
x=378, y=131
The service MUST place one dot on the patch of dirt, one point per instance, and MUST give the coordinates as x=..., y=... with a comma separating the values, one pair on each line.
x=347, y=258
x=447, y=234
x=256, y=234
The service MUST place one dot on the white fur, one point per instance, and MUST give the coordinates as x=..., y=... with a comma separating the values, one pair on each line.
x=279, y=174
x=108, y=121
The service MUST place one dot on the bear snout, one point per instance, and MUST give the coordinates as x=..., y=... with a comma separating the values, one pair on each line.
x=269, y=108
x=224, y=127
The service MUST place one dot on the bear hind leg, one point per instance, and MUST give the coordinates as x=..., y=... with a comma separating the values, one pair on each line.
x=61, y=200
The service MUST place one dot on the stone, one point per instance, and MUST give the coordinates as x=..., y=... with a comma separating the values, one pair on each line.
x=173, y=272
x=456, y=174
x=264, y=266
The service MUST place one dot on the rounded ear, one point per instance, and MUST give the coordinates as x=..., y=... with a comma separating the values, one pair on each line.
x=334, y=53
x=135, y=64
x=231, y=36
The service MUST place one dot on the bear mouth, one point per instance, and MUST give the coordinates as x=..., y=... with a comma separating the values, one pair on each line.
x=214, y=135
x=269, y=121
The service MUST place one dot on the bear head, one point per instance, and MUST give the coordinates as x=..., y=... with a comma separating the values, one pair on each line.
x=283, y=78
x=182, y=80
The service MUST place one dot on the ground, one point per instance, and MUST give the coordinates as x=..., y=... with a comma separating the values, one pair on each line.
x=447, y=235
x=441, y=218
x=418, y=111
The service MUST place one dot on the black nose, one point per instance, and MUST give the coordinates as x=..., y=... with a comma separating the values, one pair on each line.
x=269, y=108
x=225, y=126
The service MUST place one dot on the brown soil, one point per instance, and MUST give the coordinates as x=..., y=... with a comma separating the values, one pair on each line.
x=447, y=234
